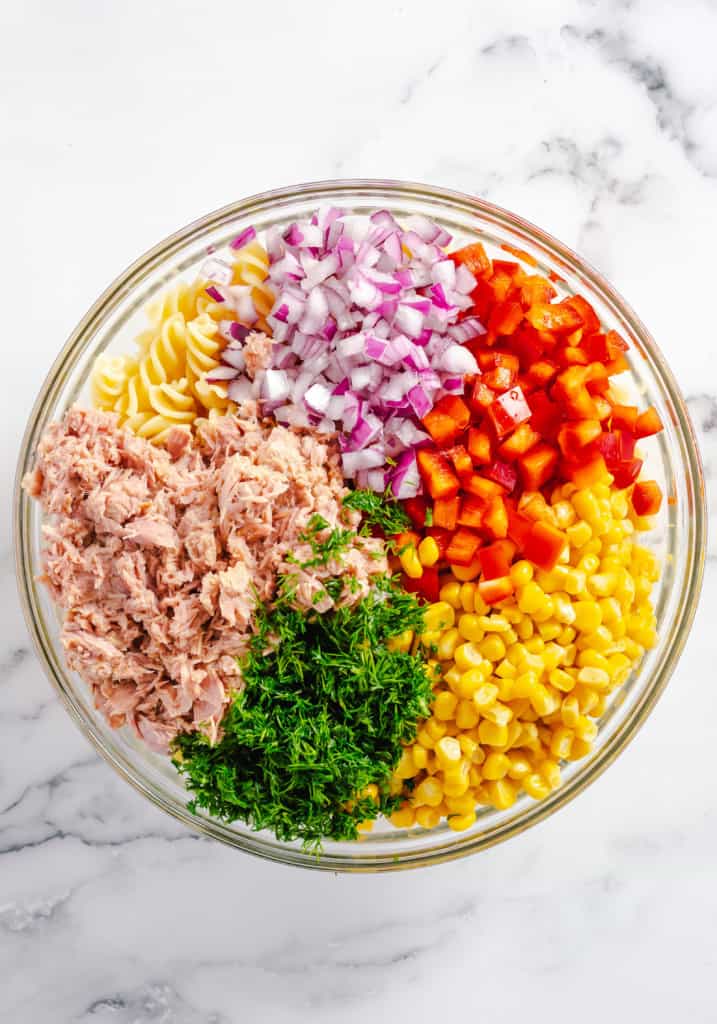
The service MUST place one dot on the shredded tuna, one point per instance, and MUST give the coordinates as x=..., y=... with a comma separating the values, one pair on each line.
x=158, y=555
x=257, y=353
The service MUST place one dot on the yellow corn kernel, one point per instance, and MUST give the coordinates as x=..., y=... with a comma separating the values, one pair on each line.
x=550, y=771
x=588, y=615
x=450, y=593
x=602, y=584
x=529, y=735
x=428, y=793
x=430, y=637
x=601, y=706
x=502, y=793
x=404, y=817
x=562, y=742
x=575, y=582
x=531, y=598
x=467, y=656
x=402, y=642
x=592, y=659
x=469, y=683
x=406, y=767
x=611, y=610
x=469, y=627
x=428, y=552
x=511, y=613
x=468, y=593
x=547, y=611
x=479, y=605
x=444, y=706
x=492, y=735
x=570, y=711
x=494, y=623
x=457, y=783
x=460, y=822
x=420, y=757
x=595, y=678
x=535, y=645
x=499, y=713
x=461, y=804
x=524, y=684
x=578, y=534
x=561, y=680
x=365, y=826
x=466, y=715
x=549, y=630
x=446, y=646
x=505, y=689
x=452, y=729
x=492, y=647
x=435, y=729
x=410, y=562
x=525, y=628
x=485, y=696
x=536, y=786
x=589, y=564
x=496, y=766
x=586, y=729
x=520, y=765
x=600, y=639
x=567, y=636
x=581, y=748
x=521, y=573
x=440, y=615
x=563, y=608
x=587, y=699
x=427, y=817
x=544, y=701
x=448, y=752
x=468, y=745
x=505, y=670
x=452, y=678
x=619, y=668
x=424, y=739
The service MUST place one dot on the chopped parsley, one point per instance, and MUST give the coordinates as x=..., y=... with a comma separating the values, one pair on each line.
x=326, y=547
x=324, y=712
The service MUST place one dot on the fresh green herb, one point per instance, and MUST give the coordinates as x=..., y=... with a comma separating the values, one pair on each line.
x=378, y=510
x=324, y=548
x=428, y=518
x=323, y=713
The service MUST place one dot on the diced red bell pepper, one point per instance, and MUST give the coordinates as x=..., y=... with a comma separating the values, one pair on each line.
x=493, y=591
x=546, y=415
x=624, y=416
x=520, y=441
x=428, y=586
x=471, y=512
x=589, y=317
x=443, y=428
x=519, y=526
x=480, y=487
x=542, y=372
x=499, y=378
x=437, y=475
x=646, y=497
x=527, y=345
x=648, y=423
x=407, y=539
x=501, y=283
x=603, y=409
x=480, y=396
x=442, y=538
x=445, y=512
x=461, y=460
x=495, y=559
x=556, y=317
x=597, y=381
x=570, y=391
x=474, y=257
x=537, y=466
x=626, y=473
x=502, y=473
x=504, y=318
x=495, y=519
x=536, y=290
x=533, y=505
x=483, y=298
x=589, y=473
x=615, y=344
x=544, y=545
x=463, y=547
x=456, y=408
x=479, y=446
x=573, y=355
x=617, y=365
x=416, y=509
x=508, y=411
x=574, y=436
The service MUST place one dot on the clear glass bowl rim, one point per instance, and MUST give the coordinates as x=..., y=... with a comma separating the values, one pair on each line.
x=326, y=191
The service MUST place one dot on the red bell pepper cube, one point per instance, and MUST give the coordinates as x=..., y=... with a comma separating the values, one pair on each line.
x=537, y=466
x=474, y=257
x=493, y=591
x=589, y=317
x=574, y=436
x=572, y=355
x=615, y=344
x=504, y=318
x=463, y=547
x=480, y=487
x=533, y=505
x=570, y=391
x=597, y=381
x=445, y=512
x=589, y=473
x=495, y=519
x=437, y=475
x=542, y=372
x=483, y=299
x=461, y=460
x=416, y=509
x=617, y=365
x=499, y=378
x=626, y=473
x=480, y=396
x=555, y=317
x=648, y=423
x=546, y=415
x=495, y=559
x=442, y=538
x=428, y=586
x=520, y=441
x=502, y=473
x=646, y=497
x=443, y=428
x=479, y=446
x=519, y=527
x=456, y=408
x=544, y=545
x=471, y=512
x=407, y=539
x=624, y=417
x=536, y=290
x=508, y=411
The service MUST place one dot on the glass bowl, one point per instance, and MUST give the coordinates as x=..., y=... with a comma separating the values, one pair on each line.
x=679, y=540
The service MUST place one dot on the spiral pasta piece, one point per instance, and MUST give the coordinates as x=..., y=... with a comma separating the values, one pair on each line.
x=251, y=267
x=180, y=298
x=109, y=378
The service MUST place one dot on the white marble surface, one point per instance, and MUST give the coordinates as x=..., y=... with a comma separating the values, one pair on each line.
x=121, y=121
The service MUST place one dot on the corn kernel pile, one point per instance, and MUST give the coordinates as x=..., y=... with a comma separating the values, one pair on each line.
x=520, y=685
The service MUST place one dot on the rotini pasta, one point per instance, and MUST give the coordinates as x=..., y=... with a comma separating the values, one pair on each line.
x=165, y=385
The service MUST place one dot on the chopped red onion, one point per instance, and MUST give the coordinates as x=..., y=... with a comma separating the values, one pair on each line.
x=242, y=239
x=217, y=271
x=214, y=293
x=466, y=330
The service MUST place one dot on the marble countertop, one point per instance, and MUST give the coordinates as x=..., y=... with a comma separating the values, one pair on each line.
x=596, y=120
